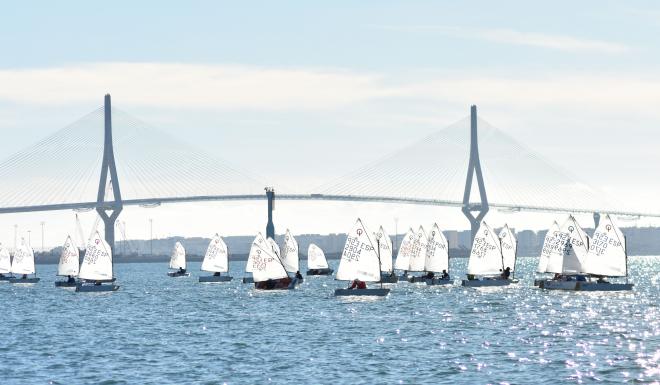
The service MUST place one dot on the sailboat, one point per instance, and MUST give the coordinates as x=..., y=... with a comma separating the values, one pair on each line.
x=567, y=258
x=437, y=257
x=178, y=261
x=268, y=271
x=290, y=255
x=403, y=255
x=607, y=257
x=317, y=264
x=5, y=264
x=216, y=261
x=485, y=260
x=69, y=264
x=254, y=251
x=418, y=256
x=384, y=243
x=96, y=268
x=360, y=261
x=509, y=245
x=23, y=265
x=550, y=242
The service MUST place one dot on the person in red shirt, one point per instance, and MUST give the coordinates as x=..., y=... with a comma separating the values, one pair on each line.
x=357, y=284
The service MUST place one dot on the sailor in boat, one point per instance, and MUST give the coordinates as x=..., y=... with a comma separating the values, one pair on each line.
x=182, y=271
x=357, y=284
x=506, y=273
x=429, y=275
x=97, y=283
x=298, y=275
x=24, y=276
x=70, y=279
x=216, y=274
x=445, y=275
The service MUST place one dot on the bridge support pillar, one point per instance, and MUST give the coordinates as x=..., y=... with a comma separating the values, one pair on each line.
x=596, y=220
x=114, y=206
x=474, y=168
x=270, y=227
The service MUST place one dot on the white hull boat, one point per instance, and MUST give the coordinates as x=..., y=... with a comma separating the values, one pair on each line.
x=215, y=278
x=84, y=287
x=361, y=292
x=20, y=280
x=178, y=274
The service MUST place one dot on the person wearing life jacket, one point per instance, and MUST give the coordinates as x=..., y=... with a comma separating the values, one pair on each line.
x=357, y=284
x=298, y=275
x=506, y=273
x=182, y=271
x=445, y=275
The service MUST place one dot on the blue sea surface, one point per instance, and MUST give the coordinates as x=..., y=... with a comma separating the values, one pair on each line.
x=162, y=330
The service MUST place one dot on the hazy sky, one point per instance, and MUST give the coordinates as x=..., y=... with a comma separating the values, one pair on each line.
x=279, y=86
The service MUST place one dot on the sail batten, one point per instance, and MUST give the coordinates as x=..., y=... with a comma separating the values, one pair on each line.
x=359, y=259
x=69, y=264
x=216, y=259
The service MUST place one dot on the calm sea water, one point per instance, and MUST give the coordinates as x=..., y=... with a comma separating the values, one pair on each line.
x=162, y=330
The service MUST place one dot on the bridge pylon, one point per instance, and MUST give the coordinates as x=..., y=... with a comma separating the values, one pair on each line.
x=108, y=166
x=270, y=226
x=474, y=168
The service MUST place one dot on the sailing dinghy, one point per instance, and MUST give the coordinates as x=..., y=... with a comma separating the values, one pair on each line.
x=23, y=265
x=550, y=242
x=317, y=264
x=418, y=256
x=403, y=254
x=360, y=261
x=567, y=259
x=291, y=256
x=268, y=271
x=178, y=261
x=384, y=243
x=69, y=264
x=96, y=270
x=509, y=251
x=437, y=257
x=607, y=257
x=216, y=261
x=485, y=260
x=5, y=264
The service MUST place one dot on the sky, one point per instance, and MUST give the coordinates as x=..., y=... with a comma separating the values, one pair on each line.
x=280, y=87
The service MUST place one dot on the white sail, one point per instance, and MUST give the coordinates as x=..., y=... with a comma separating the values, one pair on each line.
x=266, y=263
x=23, y=262
x=486, y=254
x=275, y=248
x=5, y=260
x=359, y=259
x=258, y=244
x=550, y=243
x=69, y=259
x=178, y=257
x=607, y=251
x=418, y=254
x=290, y=257
x=97, y=263
x=316, y=258
x=509, y=248
x=437, y=251
x=405, y=251
x=571, y=250
x=216, y=257
x=385, y=243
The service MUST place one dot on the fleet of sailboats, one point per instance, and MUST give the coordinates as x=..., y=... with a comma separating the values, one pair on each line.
x=576, y=261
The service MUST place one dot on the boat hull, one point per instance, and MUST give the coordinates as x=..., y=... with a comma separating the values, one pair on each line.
x=386, y=278
x=24, y=280
x=278, y=284
x=327, y=271
x=362, y=292
x=65, y=284
x=6, y=278
x=177, y=274
x=485, y=282
x=215, y=278
x=82, y=288
x=595, y=286
x=549, y=284
x=439, y=282
x=248, y=280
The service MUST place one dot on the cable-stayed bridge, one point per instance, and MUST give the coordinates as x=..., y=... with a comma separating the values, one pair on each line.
x=109, y=159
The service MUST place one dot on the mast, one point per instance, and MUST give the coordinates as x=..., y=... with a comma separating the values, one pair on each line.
x=379, y=272
x=625, y=248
